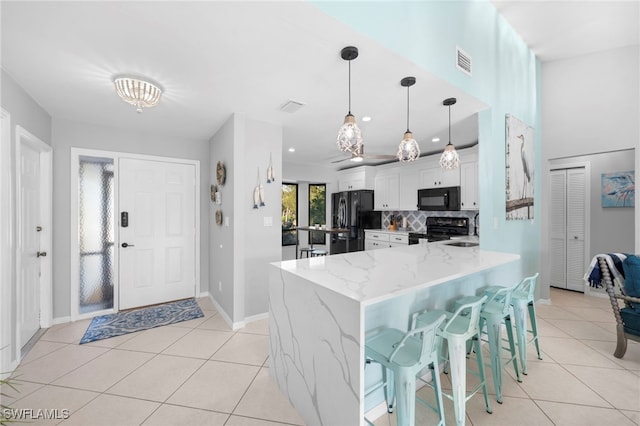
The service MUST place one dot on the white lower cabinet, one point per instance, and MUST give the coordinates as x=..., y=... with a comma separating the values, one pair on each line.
x=381, y=239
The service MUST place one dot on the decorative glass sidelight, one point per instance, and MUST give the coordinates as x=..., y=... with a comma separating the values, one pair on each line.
x=96, y=233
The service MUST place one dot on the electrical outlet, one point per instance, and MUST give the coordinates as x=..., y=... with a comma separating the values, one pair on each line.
x=220, y=286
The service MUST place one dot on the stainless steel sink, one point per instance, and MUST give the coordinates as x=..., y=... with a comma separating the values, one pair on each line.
x=463, y=244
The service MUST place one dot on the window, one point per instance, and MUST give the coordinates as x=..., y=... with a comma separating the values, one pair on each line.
x=317, y=210
x=289, y=213
x=96, y=233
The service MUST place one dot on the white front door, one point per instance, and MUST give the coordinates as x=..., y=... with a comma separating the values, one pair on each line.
x=157, y=245
x=29, y=243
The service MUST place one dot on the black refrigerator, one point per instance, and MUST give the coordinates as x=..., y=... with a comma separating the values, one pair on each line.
x=352, y=210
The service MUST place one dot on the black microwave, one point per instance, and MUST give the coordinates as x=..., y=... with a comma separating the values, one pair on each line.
x=438, y=199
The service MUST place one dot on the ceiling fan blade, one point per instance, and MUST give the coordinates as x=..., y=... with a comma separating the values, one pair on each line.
x=380, y=156
x=344, y=159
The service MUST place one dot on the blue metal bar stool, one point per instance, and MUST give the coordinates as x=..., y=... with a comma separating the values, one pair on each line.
x=460, y=327
x=405, y=355
x=523, y=300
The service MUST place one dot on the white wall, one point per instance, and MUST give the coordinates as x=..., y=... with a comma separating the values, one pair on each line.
x=24, y=111
x=611, y=229
x=242, y=251
x=67, y=134
x=590, y=105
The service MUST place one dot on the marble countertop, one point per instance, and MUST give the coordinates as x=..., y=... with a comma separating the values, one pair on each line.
x=376, y=275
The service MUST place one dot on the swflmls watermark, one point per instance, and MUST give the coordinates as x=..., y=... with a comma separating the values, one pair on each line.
x=35, y=414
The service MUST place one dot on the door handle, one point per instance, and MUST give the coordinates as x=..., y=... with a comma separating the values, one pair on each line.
x=41, y=254
x=125, y=245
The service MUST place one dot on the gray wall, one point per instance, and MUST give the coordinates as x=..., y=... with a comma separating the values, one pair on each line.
x=24, y=111
x=611, y=229
x=590, y=104
x=242, y=251
x=67, y=134
x=221, y=241
x=261, y=243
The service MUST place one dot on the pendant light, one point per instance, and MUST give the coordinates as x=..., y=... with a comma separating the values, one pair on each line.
x=349, y=135
x=449, y=158
x=408, y=150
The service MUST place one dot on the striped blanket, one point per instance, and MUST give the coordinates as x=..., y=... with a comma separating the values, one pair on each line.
x=614, y=260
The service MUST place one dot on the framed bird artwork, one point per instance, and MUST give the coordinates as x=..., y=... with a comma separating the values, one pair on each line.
x=519, y=149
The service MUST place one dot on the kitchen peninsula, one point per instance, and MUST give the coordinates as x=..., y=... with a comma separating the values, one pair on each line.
x=322, y=307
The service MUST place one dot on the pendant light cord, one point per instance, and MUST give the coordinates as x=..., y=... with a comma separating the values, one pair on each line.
x=408, y=109
x=349, y=86
x=449, y=123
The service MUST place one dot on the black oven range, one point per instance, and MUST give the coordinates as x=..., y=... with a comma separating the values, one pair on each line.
x=441, y=228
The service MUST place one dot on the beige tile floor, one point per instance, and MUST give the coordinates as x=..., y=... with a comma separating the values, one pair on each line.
x=202, y=373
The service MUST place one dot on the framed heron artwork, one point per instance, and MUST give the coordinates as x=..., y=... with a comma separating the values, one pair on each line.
x=519, y=141
x=618, y=189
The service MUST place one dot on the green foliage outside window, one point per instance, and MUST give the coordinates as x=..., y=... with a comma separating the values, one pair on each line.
x=317, y=210
x=289, y=216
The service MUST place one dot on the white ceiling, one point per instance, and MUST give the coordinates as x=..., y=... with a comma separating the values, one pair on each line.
x=217, y=58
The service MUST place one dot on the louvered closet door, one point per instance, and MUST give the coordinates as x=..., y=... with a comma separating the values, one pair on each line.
x=576, y=207
x=558, y=244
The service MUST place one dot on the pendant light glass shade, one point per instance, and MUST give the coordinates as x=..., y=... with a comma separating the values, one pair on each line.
x=449, y=158
x=408, y=150
x=349, y=136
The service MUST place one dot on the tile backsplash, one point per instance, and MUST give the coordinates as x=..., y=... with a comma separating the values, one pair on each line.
x=417, y=219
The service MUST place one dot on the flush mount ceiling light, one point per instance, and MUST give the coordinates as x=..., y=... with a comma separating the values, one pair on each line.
x=138, y=92
x=408, y=150
x=449, y=158
x=349, y=135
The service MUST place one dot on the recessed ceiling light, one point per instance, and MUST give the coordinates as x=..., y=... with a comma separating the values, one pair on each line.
x=292, y=150
x=435, y=140
x=366, y=118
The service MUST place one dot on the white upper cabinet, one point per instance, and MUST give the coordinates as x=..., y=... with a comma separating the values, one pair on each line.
x=387, y=189
x=409, y=180
x=469, y=186
x=434, y=176
x=470, y=198
x=356, y=178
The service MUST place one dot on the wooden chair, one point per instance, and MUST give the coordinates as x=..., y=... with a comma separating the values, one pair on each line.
x=625, y=316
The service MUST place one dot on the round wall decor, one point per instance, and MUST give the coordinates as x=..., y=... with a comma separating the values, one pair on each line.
x=221, y=173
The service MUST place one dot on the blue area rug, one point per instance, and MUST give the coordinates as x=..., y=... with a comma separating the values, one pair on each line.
x=112, y=325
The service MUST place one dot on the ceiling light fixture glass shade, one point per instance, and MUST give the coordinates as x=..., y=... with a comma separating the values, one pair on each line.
x=408, y=150
x=137, y=92
x=349, y=136
x=449, y=158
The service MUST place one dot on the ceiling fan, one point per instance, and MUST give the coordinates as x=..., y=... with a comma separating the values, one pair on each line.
x=358, y=155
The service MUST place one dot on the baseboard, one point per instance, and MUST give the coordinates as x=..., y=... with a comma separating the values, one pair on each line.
x=234, y=325
x=258, y=317
x=225, y=317
x=60, y=320
x=544, y=301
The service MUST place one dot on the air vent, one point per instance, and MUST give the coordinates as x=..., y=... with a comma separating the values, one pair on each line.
x=463, y=61
x=291, y=106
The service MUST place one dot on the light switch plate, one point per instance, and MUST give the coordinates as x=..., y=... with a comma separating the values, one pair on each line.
x=268, y=221
x=226, y=221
